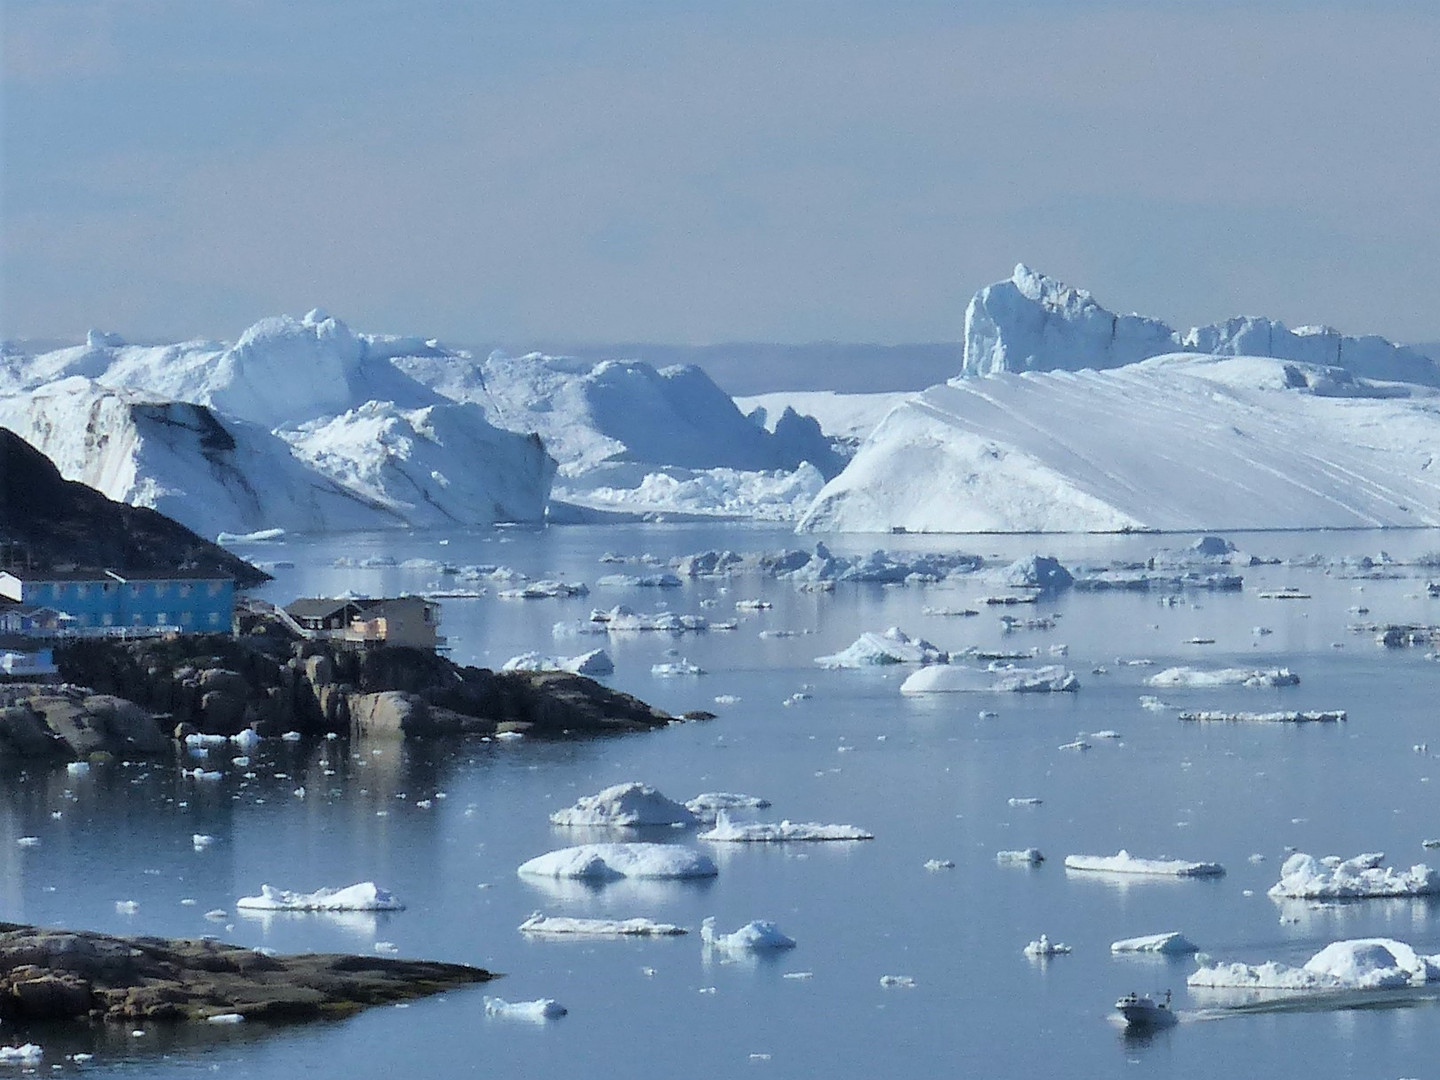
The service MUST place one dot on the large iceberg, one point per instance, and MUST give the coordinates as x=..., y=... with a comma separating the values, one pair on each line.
x=770, y=832
x=892, y=646
x=1035, y=323
x=566, y=926
x=1241, y=425
x=364, y=896
x=999, y=679
x=1303, y=877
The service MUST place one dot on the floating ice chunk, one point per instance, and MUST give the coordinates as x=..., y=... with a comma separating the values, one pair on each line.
x=28, y=841
x=1173, y=943
x=225, y=1018
x=892, y=646
x=1106, y=734
x=1196, y=678
x=1125, y=863
x=1154, y=704
x=636, y=927
x=291, y=736
x=753, y=605
x=126, y=907
x=707, y=805
x=957, y=678
x=1029, y=855
x=537, y=1011
x=608, y=862
x=249, y=738
x=756, y=936
x=77, y=768
x=1045, y=947
x=363, y=896
x=544, y=590
x=201, y=741
x=201, y=841
x=595, y=663
x=676, y=668
x=1358, y=964
x=1284, y=717
x=639, y=581
x=1024, y=800
x=1078, y=744
x=727, y=699
x=631, y=804
x=24, y=1054
x=939, y=864
x=727, y=831
x=897, y=982
x=1303, y=877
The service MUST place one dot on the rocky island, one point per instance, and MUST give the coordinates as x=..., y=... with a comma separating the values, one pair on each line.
x=72, y=975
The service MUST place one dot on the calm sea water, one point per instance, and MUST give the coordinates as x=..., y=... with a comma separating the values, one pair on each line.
x=930, y=777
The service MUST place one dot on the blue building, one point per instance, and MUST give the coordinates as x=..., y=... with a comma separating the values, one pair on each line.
x=146, y=602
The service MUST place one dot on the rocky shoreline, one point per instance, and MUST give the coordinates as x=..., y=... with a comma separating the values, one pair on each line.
x=136, y=697
x=51, y=975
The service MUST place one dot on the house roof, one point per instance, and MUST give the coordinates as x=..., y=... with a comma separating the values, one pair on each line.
x=317, y=607
x=33, y=576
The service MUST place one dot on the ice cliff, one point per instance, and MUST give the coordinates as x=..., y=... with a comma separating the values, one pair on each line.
x=1034, y=323
x=1065, y=419
x=305, y=424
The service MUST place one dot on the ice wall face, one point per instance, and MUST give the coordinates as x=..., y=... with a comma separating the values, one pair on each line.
x=1035, y=323
x=179, y=459
x=301, y=424
x=1206, y=443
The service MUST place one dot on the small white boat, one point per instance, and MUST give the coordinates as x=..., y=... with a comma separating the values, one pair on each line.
x=1143, y=1011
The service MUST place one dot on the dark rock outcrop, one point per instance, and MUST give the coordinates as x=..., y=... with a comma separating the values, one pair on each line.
x=52, y=523
x=221, y=685
x=68, y=722
x=66, y=975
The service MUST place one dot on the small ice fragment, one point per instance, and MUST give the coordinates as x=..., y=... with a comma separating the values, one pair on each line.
x=28, y=841
x=201, y=841
x=225, y=1018
x=758, y=935
x=536, y=1011
x=126, y=907
x=901, y=982
x=1045, y=947
x=939, y=864
x=1027, y=855
x=1028, y=800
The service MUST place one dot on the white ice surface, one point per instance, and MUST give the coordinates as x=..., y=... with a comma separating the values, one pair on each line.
x=756, y=936
x=1125, y=863
x=608, y=862
x=1303, y=877
x=631, y=804
x=565, y=925
x=537, y=1011
x=892, y=646
x=727, y=831
x=1358, y=964
x=959, y=678
x=363, y=896
x=1196, y=678
x=1172, y=943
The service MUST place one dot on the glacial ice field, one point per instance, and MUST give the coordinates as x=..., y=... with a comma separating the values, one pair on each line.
x=896, y=964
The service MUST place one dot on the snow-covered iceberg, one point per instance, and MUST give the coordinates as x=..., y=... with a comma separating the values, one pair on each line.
x=628, y=805
x=756, y=936
x=363, y=896
x=1358, y=964
x=1125, y=863
x=1172, y=943
x=1242, y=425
x=1043, y=947
x=892, y=646
x=562, y=925
x=708, y=805
x=1303, y=877
x=761, y=832
x=595, y=663
x=610, y=862
x=1197, y=678
x=537, y=1011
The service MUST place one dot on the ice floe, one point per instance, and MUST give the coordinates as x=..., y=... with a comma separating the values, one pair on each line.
x=1172, y=943
x=1027, y=855
x=537, y=1011
x=627, y=805
x=1125, y=863
x=561, y=924
x=1283, y=717
x=892, y=646
x=1043, y=947
x=1197, y=678
x=1303, y=877
x=363, y=896
x=756, y=936
x=708, y=805
x=544, y=590
x=609, y=862
x=595, y=663
x=727, y=831
x=959, y=678
x=1356, y=964
x=24, y=1054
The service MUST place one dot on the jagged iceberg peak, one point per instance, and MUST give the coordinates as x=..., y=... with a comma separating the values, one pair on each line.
x=1035, y=323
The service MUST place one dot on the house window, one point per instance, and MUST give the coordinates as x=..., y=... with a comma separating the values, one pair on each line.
x=214, y=618
x=136, y=619
x=134, y=590
x=107, y=619
x=215, y=587
x=186, y=618
x=185, y=588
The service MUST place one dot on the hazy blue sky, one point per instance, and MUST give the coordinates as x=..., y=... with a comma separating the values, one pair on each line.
x=712, y=171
